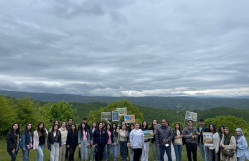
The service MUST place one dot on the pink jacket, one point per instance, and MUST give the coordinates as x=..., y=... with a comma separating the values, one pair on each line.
x=36, y=139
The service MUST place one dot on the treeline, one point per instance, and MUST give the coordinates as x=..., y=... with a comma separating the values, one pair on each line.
x=27, y=110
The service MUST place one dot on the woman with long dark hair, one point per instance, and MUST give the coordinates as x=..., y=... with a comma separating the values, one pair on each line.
x=109, y=142
x=93, y=128
x=13, y=141
x=155, y=148
x=72, y=141
x=115, y=142
x=84, y=141
x=26, y=141
x=39, y=141
x=178, y=135
x=100, y=139
x=145, y=151
x=54, y=143
x=228, y=145
x=213, y=151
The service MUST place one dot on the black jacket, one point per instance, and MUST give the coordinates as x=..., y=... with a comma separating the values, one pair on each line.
x=200, y=137
x=100, y=137
x=54, y=139
x=72, y=139
x=12, y=141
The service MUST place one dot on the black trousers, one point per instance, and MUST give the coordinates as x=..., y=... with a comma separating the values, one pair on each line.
x=137, y=154
x=71, y=153
x=13, y=155
x=99, y=152
x=191, y=148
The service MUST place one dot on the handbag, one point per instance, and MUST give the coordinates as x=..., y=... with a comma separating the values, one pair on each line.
x=227, y=152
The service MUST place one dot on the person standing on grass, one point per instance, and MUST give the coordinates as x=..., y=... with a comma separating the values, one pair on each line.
x=122, y=137
x=178, y=135
x=109, y=142
x=84, y=141
x=164, y=135
x=64, y=133
x=137, y=141
x=155, y=148
x=13, y=141
x=100, y=139
x=228, y=142
x=69, y=124
x=115, y=144
x=94, y=126
x=39, y=140
x=54, y=143
x=213, y=151
x=203, y=149
x=242, y=151
x=72, y=141
x=191, y=140
x=146, y=148
x=130, y=150
x=26, y=141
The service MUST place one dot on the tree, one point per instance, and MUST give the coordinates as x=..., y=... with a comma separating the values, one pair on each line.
x=131, y=109
x=7, y=115
x=57, y=111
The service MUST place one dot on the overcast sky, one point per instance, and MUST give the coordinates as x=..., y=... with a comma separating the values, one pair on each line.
x=125, y=47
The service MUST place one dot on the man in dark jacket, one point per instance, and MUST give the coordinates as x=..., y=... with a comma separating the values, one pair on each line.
x=200, y=131
x=164, y=136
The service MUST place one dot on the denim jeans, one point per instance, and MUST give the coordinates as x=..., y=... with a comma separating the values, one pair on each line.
x=123, y=149
x=40, y=154
x=92, y=152
x=84, y=150
x=156, y=152
x=131, y=153
x=206, y=149
x=13, y=155
x=115, y=151
x=202, y=151
x=25, y=155
x=168, y=151
x=107, y=151
x=178, y=152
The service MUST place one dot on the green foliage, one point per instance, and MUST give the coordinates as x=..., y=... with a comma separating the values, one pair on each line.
x=7, y=114
x=27, y=111
x=229, y=121
x=57, y=111
x=131, y=109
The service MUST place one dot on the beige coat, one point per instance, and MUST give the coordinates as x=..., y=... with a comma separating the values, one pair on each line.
x=232, y=145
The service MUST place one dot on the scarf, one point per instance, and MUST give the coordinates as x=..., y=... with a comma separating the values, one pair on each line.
x=227, y=138
x=241, y=134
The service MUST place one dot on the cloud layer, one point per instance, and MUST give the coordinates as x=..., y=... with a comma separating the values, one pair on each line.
x=125, y=48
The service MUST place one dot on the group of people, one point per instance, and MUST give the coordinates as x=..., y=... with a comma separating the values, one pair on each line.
x=128, y=140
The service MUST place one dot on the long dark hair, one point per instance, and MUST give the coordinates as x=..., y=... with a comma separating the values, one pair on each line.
x=17, y=130
x=42, y=131
x=222, y=126
x=26, y=130
x=58, y=123
x=146, y=124
x=214, y=131
x=85, y=128
x=130, y=127
x=114, y=129
x=95, y=124
x=102, y=126
x=75, y=130
x=52, y=131
x=179, y=128
x=109, y=126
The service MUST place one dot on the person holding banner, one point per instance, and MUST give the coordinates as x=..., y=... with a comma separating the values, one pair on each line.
x=164, y=135
x=191, y=140
x=137, y=141
x=242, y=151
x=213, y=151
x=155, y=148
x=228, y=146
x=145, y=151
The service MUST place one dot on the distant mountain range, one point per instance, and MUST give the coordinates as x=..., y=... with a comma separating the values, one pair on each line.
x=181, y=103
